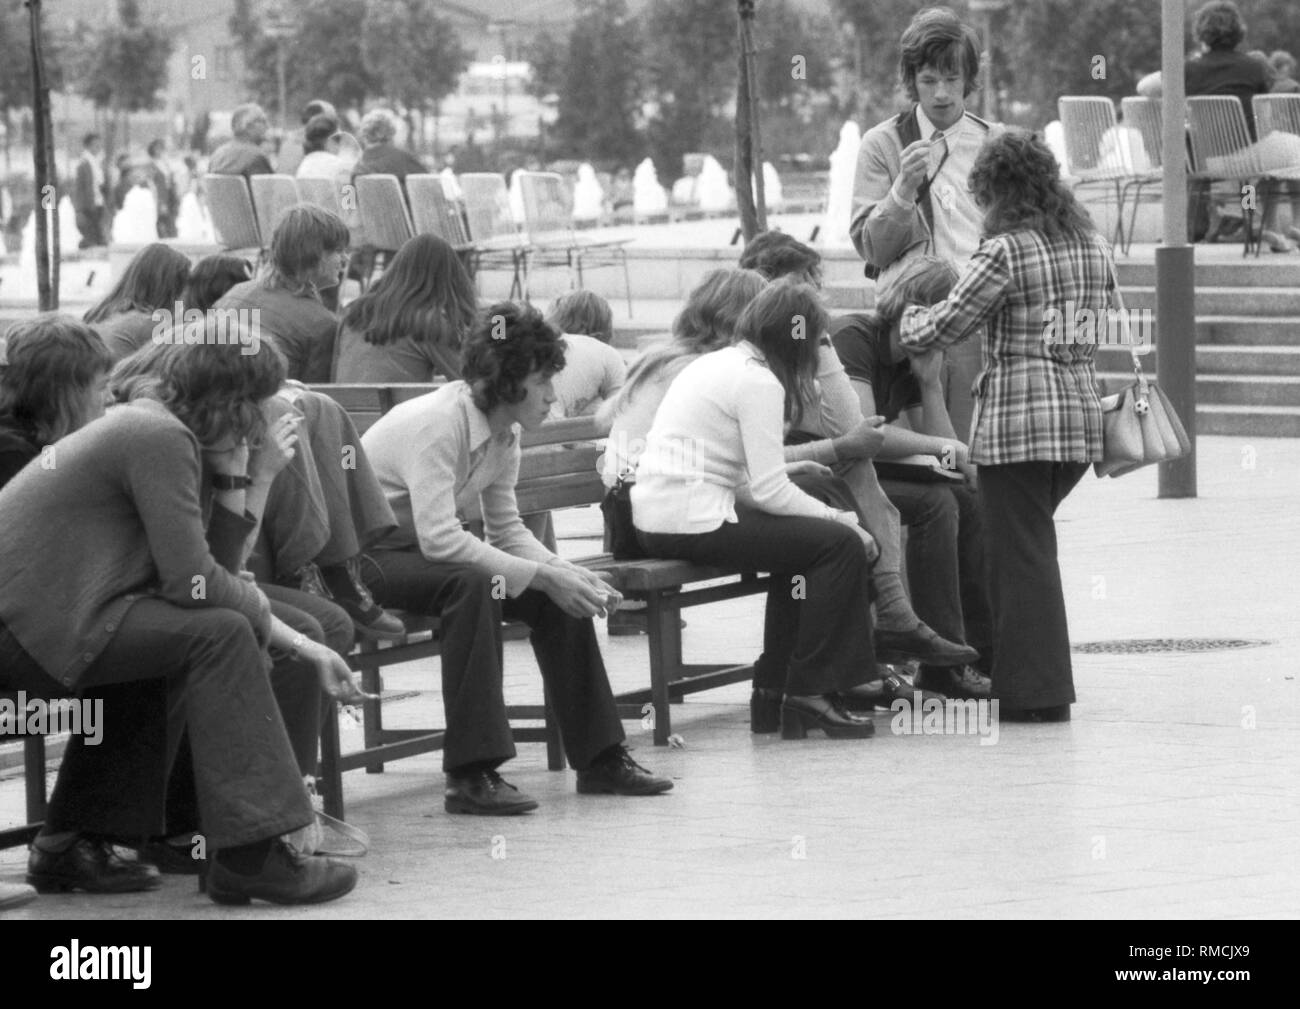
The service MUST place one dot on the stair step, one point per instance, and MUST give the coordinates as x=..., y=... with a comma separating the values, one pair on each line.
x=1246, y=330
x=1247, y=272
x=1262, y=301
x=1248, y=421
x=1248, y=360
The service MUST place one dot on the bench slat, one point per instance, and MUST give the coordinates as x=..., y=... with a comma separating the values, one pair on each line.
x=549, y=461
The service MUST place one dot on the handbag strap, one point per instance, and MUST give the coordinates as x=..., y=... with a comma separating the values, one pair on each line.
x=1117, y=301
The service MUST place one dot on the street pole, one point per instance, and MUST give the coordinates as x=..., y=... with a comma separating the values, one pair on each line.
x=1175, y=261
x=47, y=219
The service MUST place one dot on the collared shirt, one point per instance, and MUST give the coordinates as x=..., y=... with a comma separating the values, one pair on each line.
x=1037, y=398
x=441, y=466
x=957, y=220
x=97, y=174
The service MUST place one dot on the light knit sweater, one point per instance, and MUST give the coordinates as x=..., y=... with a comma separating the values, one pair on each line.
x=716, y=439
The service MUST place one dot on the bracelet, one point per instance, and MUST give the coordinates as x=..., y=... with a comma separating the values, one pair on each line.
x=295, y=646
x=231, y=481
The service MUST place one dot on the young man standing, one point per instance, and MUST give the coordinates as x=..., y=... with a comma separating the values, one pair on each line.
x=89, y=190
x=910, y=193
x=449, y=459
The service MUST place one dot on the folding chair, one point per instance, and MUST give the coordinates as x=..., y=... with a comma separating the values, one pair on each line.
x=1098, y=152
x=492, y=227
x=433, y=213
x=321, y=192
x=272, y=196
x=552, y=239
x=1222, y=151
x=384, y=217
x=1146, y=116
x=233, y=218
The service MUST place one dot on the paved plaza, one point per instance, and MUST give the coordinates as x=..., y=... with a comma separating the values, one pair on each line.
x=1172, y=793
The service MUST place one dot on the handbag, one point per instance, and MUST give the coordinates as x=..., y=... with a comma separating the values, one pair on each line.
x=619, y=530
x=1139, y=425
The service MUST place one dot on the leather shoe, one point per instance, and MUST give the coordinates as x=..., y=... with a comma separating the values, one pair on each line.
x=619, y=774
x=286, y=878
x=764, y=710
x=923, y=644
x=884, y=692
x=1057, y=713
x=89, y=865
x=171, y=859
x=799, y=714
x=484, y=793
x=963, y=682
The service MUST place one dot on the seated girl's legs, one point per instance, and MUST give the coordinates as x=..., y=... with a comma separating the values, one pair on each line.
x=821, y=581
x=249, y=787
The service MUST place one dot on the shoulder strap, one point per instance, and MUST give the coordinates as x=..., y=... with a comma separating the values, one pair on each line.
x=1117, y=300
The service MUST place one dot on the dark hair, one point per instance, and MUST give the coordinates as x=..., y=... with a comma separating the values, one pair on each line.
x=936, y=38
x=314, y=108
x=510, y=342
x=154, y=279
x=706, y=322
x=785, y=321
x=424, y=294
x=1016, y=181
x=155, y=147
x=89, y=139
x=775, y=254
x=1282, y=62
x=215, y=389
x=1218, y=25
x=317, y=131
x=303, y=236
x=583, y=312
x=46, y=363
x=211, y=277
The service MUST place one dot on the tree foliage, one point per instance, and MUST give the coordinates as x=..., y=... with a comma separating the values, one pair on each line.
x=124, y=64
x=411, y=55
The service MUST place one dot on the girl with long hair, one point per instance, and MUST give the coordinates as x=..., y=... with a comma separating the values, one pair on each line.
x=1038, y=417
x=409, y=325
x=712, y=488
x=151, y=283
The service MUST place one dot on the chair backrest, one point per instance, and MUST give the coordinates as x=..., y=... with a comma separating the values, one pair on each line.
x=272, y=196
x=1087, y=122
x=383, y=211
x=432, y=213
x=487, y=205
x=1220, y=140
x=1144, y=115
x=547, y=205
x=232, y=214
x=366, y=403
x=321, y=192
x=1276, y=114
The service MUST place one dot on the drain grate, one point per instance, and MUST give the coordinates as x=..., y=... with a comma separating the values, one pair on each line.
x=1137, y=646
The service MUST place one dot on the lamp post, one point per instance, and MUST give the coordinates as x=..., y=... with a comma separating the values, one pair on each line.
x=988, y=8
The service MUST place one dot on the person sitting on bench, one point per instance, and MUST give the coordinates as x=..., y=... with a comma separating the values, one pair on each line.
x=452, y=457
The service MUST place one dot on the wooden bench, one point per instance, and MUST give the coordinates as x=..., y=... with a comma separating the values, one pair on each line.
x=558, y=470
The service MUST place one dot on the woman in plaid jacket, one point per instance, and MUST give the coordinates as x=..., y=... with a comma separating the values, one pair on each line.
x=1037, y=422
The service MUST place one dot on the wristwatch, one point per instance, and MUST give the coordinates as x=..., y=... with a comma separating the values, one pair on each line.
x=227, y=481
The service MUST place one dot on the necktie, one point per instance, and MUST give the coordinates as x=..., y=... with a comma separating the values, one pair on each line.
x=938, y=149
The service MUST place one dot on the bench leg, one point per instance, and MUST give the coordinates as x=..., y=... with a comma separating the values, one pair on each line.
x=555, y=758
x=329, y=782
x=34, y=774
x=372, y=711
x=663, y=617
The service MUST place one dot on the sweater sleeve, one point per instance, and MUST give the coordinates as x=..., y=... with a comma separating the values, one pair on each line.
x=759, y=406
x=881, y=227
x=978, y=294
x=162, y=473
x=841, y=410
x=429, y=473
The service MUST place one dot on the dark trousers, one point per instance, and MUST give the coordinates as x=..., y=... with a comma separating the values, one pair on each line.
x=297, y=695
x=90, y=225
x=478, y=731
x=817, y=628
x=1031, y=642
x=945, y=558
x=248, y=786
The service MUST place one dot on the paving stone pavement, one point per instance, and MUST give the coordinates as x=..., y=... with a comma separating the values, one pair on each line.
x=1172, y=793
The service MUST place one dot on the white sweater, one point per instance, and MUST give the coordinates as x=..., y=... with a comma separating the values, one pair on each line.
x=716, y=438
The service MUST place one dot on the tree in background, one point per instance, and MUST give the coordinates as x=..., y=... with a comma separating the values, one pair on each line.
x=122, y=67
x=413, y=56
x=596, y=78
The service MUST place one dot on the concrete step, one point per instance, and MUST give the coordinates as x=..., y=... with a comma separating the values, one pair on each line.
x=1233, y=301
x=1249, y=390
x=1248, y=360
x=1248, y=421
x=1245, y=330
x=1278, y=271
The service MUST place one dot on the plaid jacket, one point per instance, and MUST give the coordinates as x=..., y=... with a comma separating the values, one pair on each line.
x=1037, y=396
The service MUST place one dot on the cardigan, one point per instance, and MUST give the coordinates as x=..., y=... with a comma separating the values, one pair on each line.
x=109, y=514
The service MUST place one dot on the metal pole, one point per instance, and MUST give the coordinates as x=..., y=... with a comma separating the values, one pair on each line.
x=1175, y=260
x=279, y=77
